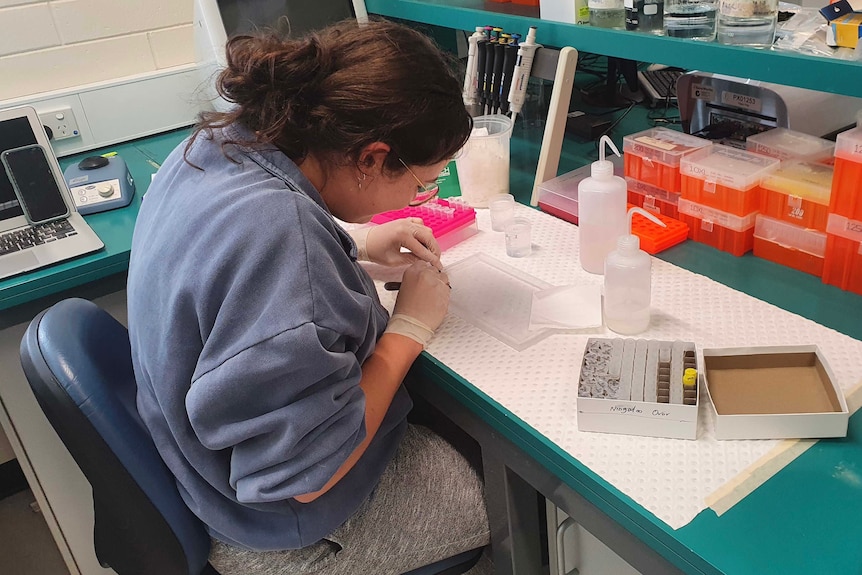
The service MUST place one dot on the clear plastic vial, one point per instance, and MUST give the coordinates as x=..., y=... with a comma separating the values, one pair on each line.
x=519, y=242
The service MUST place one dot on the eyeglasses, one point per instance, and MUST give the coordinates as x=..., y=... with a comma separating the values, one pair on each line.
x=424, y=192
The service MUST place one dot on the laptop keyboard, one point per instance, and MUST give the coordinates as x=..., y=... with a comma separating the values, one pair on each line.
x=28, y=237
x=663, y=82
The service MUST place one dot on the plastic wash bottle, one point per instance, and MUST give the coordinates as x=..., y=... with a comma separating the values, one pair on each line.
x=601, y=211
x=628, y=284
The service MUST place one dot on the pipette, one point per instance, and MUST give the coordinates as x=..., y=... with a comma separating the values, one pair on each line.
x=487, y=97
x=508, y=70
x=497, y=73
x=521, y=76
x=471, y=77
x=481, y=64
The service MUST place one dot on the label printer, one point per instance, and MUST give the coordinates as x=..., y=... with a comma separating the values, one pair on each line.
x=728, y=110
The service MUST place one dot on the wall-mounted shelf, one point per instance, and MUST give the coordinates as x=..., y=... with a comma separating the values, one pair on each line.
x=825, y=74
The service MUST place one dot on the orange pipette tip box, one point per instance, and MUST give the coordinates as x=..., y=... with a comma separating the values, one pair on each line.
x=655, y=238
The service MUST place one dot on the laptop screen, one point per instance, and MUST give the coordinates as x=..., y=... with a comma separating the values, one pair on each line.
x=14, y=133
x=286, y=16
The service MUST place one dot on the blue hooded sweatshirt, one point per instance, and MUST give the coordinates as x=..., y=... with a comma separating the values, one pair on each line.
x=249, y=320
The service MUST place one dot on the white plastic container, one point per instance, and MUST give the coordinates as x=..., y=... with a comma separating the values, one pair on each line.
x=483, y=164
x=601, y=211
x=628, y=283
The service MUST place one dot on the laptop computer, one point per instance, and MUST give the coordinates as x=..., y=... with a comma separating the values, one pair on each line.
x=659, y=86
x=25, y=247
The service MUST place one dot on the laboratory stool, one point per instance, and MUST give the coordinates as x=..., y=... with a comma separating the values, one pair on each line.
x=78, y=362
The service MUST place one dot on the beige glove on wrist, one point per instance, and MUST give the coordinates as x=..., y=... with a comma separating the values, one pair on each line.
x=410, y=327
x=360, y=236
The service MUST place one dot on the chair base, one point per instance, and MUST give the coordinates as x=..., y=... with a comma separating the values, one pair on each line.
x=455, y=565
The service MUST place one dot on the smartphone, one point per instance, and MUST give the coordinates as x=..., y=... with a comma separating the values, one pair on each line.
x=38, y=192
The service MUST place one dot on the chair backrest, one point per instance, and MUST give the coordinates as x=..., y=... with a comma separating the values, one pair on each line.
x=78, y=362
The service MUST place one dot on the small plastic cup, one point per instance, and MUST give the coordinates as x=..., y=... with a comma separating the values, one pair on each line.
x=519, y=243
x=502, y=209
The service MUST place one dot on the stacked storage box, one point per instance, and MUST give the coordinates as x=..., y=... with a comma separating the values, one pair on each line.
x=722, y=195
x=786, y=144
x=652, y=167
x=791, y=228
x=842, y=265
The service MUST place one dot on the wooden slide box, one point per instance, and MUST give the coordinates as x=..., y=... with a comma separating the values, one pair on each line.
x=773, y=393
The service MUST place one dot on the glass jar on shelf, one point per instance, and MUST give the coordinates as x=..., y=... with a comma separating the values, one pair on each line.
x=747, y=22
x=607, y=13
x=645, y=16
x=693, y=19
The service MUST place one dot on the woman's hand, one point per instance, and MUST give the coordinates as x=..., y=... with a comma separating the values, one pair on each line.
x=422, y=303
x=384, y=244
x=424, y=295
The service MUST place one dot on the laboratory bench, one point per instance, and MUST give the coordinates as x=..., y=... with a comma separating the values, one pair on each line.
x=803, y=519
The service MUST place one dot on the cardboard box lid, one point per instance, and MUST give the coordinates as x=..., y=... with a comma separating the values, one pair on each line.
x=845, y=23
x=773, y=392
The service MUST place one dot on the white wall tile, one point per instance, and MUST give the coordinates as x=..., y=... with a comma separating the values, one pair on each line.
x=25, y=28
x=173, y=46
x=74, y=65
x=5, y=3
x=81, y=20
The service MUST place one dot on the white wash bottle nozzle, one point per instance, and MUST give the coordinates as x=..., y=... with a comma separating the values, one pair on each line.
x=603, y=168
x=628, y=282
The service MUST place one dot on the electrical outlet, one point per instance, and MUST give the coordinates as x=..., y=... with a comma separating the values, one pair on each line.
x=60, y=123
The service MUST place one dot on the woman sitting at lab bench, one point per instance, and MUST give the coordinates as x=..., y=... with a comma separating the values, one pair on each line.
x=269, y=374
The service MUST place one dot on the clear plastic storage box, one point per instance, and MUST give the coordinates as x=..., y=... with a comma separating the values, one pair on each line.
x=786, y=144
x=843, y=264
x=789, y=245
x=725, y=178
x=559, y=196
x=846, y=198
x=798, y=192
x=651, y=198
x=653, y=156
x=721, y=230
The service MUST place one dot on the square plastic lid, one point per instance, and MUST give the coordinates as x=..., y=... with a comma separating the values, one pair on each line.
x=663, y=145
x=808, y=180
x=496, y=298
x=726, y=220
x=788, y=235
x=728, y=166
x=783, y=143
x=848, y=145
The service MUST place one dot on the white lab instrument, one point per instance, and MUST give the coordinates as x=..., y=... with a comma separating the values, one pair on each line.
x=739, y=108
x=526, y=53
x=471, y=77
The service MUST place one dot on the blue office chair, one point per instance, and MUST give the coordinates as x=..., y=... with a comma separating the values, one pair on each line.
x=78, y=361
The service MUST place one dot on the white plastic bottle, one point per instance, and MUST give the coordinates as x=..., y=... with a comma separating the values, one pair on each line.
x=628, y=283
x=601, y=211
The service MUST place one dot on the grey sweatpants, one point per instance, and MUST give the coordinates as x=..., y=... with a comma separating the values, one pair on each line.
x=429, y=505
